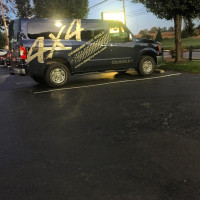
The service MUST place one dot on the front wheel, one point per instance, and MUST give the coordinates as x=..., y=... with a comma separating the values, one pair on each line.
x=146, y=66
x=57, y=75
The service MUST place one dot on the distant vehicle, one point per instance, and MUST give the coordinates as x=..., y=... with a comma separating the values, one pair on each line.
x=51, y=50
x=3, y=52
x=8, y=59
x=2, y=60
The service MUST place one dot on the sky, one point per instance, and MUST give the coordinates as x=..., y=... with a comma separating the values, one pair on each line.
x=137, y=16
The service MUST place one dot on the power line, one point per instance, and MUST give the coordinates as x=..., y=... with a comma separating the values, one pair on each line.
x=137, y=14
x=108, y=4
x=97, y=4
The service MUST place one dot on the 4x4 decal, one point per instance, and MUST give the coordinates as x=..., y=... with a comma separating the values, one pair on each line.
x=82, y=54
x=92, y=48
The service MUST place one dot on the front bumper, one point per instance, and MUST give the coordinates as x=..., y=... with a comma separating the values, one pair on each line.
x=160, y=60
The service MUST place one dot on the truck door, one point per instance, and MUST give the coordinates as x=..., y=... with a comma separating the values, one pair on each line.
x=122, y=48
x=91, y=53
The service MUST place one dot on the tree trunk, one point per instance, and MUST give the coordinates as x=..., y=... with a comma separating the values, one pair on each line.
x=177, y=26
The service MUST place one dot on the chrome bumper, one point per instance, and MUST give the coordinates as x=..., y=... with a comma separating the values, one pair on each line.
x=19, y=71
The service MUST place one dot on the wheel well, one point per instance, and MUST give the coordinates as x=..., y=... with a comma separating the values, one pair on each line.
x=59, y=60
x=147, y=54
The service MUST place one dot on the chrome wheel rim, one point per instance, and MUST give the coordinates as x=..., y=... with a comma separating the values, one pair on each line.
x=147, y=67
x=58, y=75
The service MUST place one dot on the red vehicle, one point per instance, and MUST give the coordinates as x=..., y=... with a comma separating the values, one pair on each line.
x=8, y=59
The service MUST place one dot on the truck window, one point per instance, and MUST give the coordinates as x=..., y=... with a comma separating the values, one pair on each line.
x=91, y=30
x=14, y=29
x=118, y=34
x=43, y=29
x=11, y=31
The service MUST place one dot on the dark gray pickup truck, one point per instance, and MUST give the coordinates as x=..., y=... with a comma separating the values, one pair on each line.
x=51, y=50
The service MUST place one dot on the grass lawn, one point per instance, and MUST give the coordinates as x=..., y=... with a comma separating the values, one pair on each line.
x=190, y=66
x=186, y=42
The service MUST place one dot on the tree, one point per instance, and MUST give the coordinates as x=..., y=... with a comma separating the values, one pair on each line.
x=159, y=36
x=9, y=9
x=171, y=29
x=164, y=29
x=176, y=10
x=188, y=30
x=60, y=8
x=143, y=32
x=3, y=40
x=23, y=8
x=197, y=31
x=153, y=30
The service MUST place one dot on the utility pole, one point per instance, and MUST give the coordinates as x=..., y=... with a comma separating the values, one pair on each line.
x=3, y=15
x=124, y=12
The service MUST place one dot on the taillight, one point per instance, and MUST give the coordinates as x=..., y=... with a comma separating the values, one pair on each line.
x=8, y=55
x=22, y=52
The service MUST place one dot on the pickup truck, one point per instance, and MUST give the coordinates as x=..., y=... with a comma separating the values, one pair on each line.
x=51, y=50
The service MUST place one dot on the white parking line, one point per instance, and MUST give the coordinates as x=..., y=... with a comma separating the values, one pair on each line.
x=102, y=84
x=25, y=82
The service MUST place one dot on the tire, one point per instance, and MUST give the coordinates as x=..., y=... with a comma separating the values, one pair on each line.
x=146, y=66
x=57, y=75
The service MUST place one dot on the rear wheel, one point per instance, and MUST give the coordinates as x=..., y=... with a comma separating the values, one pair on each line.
x=146, y=66
x=57, y=75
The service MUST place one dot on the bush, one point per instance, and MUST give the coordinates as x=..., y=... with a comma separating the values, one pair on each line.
x=147, y=36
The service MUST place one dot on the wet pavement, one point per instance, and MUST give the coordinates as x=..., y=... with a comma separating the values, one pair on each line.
x=103, y=137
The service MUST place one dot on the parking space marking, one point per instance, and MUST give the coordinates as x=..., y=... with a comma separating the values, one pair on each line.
x=102, y=84
x=25, y=82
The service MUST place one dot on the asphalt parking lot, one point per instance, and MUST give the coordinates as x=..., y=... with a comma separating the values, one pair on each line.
x=102, y=137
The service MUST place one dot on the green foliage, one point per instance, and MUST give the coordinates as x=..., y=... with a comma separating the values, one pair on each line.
x=60, y=8
x=23, y=8
x=143, y=32
x=190, y=66
x=170, y=29
x=159, y=36
x=153, y=30
x=2, y=40
x=174, y=9
x=168, y=9
x=147, y=36
x=168, y=43
x=188, y=28
x=164, y=29
x=197, y=31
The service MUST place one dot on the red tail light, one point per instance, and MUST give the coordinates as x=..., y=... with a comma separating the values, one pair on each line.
x=22, y=51
x=8, y=55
